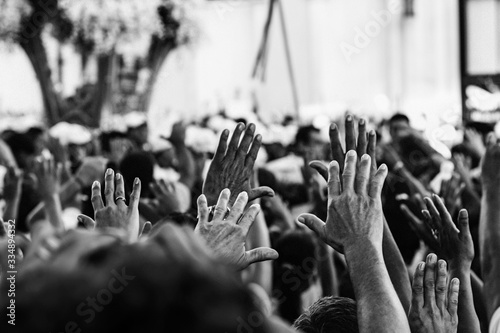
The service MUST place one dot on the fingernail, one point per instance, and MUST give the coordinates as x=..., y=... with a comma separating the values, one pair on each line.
x=136, y=181
x=442, y=264
x=301, y=219
x=349, y=118
x=244, y=194
x=362, y=122
x=118, y=176
x=95, y=184
x=431, y=258
x=365, y=157
x=421, y=266
x=333, y=126
x=383, y=167
x=109, y=172
x=241, y=126
x=351, y=153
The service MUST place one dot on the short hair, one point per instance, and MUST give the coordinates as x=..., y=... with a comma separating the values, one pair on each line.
x=399, y=117
x=304, y=134
x=329, y=315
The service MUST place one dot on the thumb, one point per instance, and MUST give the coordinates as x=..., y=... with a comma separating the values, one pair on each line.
x=313, y=223
x=87, y=222
x=261, y=254
x=463, y=222
x=321, y=168
x=146, y=229
x=260, y=192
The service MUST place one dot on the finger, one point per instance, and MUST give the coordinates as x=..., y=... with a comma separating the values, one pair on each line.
x=434, y=213
x=109, y=187
x=155, y=188
x=235, y=140
x=86, y=221
x=336, y=146
x=3, y=230
x=202, y=209
x=247, y=140
x=221, y=207
x=238, y=207
x=371, y=149
x=96, y=198
x=334, y=187
x=259, y=192
x=222, y=146
x=417, y=297
x=321, y=168
x=441, y=287
x=261, y=254
x=350, y=134
x=361, y=148
x=463, y=224
x=349, y=174
x=491, y=139
x=429, y=280
x=254, y=151
x=146, y=229
x=314, y=223
x=453, y=297
x=135, y=196
x=377, y=182
x=248, y=218
x=363, y=175
x=446, y=221
x=120, y=188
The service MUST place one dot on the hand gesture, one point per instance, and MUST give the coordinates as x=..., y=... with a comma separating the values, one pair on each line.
x=365, y=144
x=166, y=196
x=354, y=207
x=116, y=213
x=232, y=166
x=12, y=184
x=178, y=135
x=451, y=192
x=48, y=174
x=434, y=304
x=441, y=234
x=226, y=236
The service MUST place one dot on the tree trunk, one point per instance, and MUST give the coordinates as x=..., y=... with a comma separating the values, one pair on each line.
x=103, y=95
x=37, y=54
x=157, y=55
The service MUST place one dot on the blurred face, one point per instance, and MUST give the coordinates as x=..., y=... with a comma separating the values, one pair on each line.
x=77, y=153
x=313, y=149
x=399, y=129
x=168, y=159
x=139, y=134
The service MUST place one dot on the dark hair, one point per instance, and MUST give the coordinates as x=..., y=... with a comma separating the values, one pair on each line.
x=130, y=288
x=293, y=270
x=140, y=165
x=304, y=134
x=20, y=143
x=328, y=315
x=399, y=117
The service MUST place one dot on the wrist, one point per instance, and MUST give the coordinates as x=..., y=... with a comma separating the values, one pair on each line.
x=363, y=249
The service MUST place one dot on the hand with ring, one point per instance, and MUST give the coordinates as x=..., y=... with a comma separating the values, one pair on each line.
x=115, y=213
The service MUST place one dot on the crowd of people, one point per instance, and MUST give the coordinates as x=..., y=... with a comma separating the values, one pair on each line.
x=372, y=231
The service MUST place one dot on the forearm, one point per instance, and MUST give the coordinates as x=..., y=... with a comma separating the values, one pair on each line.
x=479, y=300
x=372, y=287
x=469, y=321
x=489, y=241
x=53, y=211
x=396, y=268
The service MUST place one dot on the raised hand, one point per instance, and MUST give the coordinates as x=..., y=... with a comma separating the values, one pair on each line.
x=226, y=236
x=48, y=174
x=434, y=304
x=354, y=208
x=12, y=183
x=166, y=196
x=115, y=213
x=232, y=166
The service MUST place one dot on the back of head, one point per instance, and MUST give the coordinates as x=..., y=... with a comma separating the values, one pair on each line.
x=140, y=165
x=329, y=315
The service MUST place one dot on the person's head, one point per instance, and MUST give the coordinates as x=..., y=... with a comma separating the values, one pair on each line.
x=39, y=137
x=23, y=148
x=329, y=315
x=308, y=141
x=399, y=126
x=140, y=165
x=153, y=286
x=139, y=135
x=296, y=271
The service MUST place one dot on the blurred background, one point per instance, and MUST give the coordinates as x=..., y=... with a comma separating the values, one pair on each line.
x=88, y=61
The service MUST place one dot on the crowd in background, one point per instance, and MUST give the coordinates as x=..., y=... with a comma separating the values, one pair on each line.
x=229, y=226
